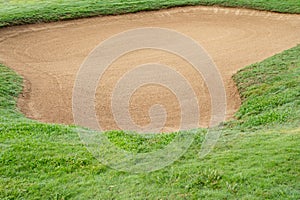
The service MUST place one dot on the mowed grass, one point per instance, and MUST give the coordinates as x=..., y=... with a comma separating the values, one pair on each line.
x=270, y=91
x=15, y=12
x=257, y=157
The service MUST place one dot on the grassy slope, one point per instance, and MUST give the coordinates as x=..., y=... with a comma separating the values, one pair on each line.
x=15, y=12
x=49, y=161
x=270, y=91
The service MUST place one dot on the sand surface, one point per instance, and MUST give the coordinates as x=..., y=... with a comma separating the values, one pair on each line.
x=49, y=56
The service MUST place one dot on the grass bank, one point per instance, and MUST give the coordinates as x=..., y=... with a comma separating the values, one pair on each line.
x=257, y=156
x=16, y=12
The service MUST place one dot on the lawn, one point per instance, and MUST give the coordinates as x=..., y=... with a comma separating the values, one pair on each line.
x=257, y=156
x=15, y=12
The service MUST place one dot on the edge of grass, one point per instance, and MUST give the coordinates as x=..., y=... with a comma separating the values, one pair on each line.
x=270, y=92
x=19, y=13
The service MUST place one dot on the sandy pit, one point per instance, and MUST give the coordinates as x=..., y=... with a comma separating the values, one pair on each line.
x=49, y=56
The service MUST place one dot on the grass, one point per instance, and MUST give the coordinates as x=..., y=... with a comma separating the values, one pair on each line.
x=16, y=12
x=251, y=161
x=257, y=157
x=270, y=91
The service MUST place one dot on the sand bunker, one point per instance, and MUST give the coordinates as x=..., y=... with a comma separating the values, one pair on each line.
x=49, y=56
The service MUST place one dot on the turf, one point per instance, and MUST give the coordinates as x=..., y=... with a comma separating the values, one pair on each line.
x=270, y=91
x=16, y=12
x=251, y=161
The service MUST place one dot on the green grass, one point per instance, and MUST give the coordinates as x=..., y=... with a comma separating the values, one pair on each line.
x=15, y=12
x=270, y=91
x=251, y=161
